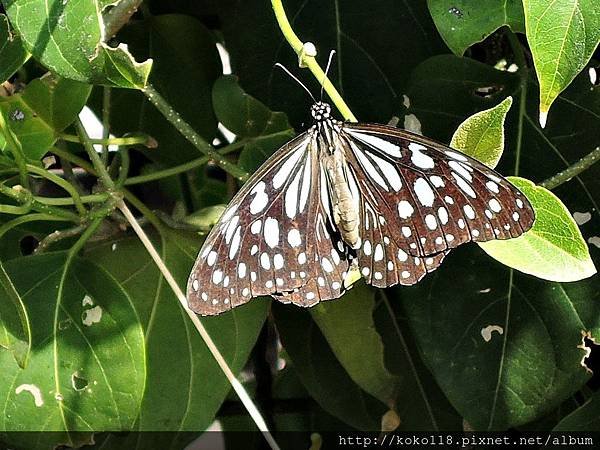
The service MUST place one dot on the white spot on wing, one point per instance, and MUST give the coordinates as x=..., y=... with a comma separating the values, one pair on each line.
x=418, y=158
x=424, y=192
x=286, y=168
x=294, y=238
x=260, y=199
x=378, y=143
x=405, y=209
x=271, y=232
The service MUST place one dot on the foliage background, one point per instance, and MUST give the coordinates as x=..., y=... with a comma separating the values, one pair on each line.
x=421, y=351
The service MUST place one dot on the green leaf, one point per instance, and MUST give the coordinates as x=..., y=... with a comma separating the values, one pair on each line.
x=185, y=387
x=562, y=36
x=15, y=332
x=239, y=112
x=46, y=107
x=463, y=23
x=585, y=418
x=321, y=373
x=12, y=53
x=348, y=326
x=86, y=371
x=481, y=136
x=553, y=249
x=504, y=347
x=68, y=38
x=186, y=64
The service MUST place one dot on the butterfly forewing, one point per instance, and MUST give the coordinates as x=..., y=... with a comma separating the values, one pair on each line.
x=435, y=198
x=275, y=238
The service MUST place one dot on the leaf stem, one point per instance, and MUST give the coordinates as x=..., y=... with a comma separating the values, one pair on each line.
x=133, y=139
x=68, y=187
x=573, y=170
x=190, y=134
x=237, y=386
x=66, y=201
x=94, y=157
x=183, y=167
x=25, y=197
x=59, y=235
x=15, y=148
x=521, y=63
x=105, y=121
x=118, y=16
x=307, y=60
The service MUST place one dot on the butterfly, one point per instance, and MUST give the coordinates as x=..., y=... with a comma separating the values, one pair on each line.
x=347, y=200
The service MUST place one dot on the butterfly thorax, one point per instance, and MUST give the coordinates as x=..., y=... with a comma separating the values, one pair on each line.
x=333, y=161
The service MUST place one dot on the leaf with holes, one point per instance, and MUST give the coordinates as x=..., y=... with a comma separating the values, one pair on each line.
x=553, y=249
x=562, y=36
x=46, y=107
x=86, y=370
x=504, y=347
x=190, y=396
x=481, y=136
x=12, y=53
x=15, y=330
x=463, y=23
x=68, y=38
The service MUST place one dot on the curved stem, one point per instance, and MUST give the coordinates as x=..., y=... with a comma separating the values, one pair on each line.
x=24, y=197
x=573, y=170
x=15, y=148
x=118, y=16
x=310, y=61
x=58, y=235
x=190, y=134
x=27, y=218
x=66, y=201
x=133, y=139
x=94, y=157
x=68, y=187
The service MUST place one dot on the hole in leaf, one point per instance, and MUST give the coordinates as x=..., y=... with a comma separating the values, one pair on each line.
x=487, y=91
x=78, y=382
x=28, y=244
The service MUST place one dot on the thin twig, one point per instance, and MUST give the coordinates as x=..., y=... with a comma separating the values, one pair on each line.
x=131, y=139
x=15, y=148
x=237, y=386
x=118, y=16
x=573, y=170
x=59, y=235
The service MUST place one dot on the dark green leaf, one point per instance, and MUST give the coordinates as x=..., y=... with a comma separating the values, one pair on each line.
x=186, y=64
x=504, y=347
x=348, y=326
x=68, y=38
x=46, y=106
x=463, y=23
x=185, y=386
x=12, y=53
x=586, y=418
x=15, y=332
x=86, y=370
x=321, y=373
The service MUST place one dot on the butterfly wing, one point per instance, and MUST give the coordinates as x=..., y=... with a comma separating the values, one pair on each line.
x=276, y=238
x=425, y=198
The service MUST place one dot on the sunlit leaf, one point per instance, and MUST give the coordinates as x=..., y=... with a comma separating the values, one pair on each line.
x=12, y=53
x=15, y=332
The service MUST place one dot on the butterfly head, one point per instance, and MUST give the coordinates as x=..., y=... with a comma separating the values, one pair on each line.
x=320, y=111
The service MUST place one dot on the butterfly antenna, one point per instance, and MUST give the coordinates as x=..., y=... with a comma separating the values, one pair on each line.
x=327, y=71
x=282, y=67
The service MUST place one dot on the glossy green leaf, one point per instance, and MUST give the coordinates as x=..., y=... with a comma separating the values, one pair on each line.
x=86, y=370
x=15, y=332
x=46, y=106
x=481, y=136
x=185, y=386
x=562, y=36
x=553, y=249
x=585, y=418
x=12, y=52
x=463, y=23
x=322, y=374
x=348, y=326
x=68, y=38
x=186, y=64
x=504, y=347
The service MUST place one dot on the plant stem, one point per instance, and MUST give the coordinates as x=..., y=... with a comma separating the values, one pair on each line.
x=58, y=235
x=310, y=61
x=71, y=190
x=7, y=226
x=133, y=139
x=237, y=386
x=124, y=169
x=190, y=134
x=183, y=167
x=94, y=157
x=25, y=197
x=66, y=201
x=118, y=16
x=15, y=148
x=523, y=71
x=105, y=121
x=573, y=170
